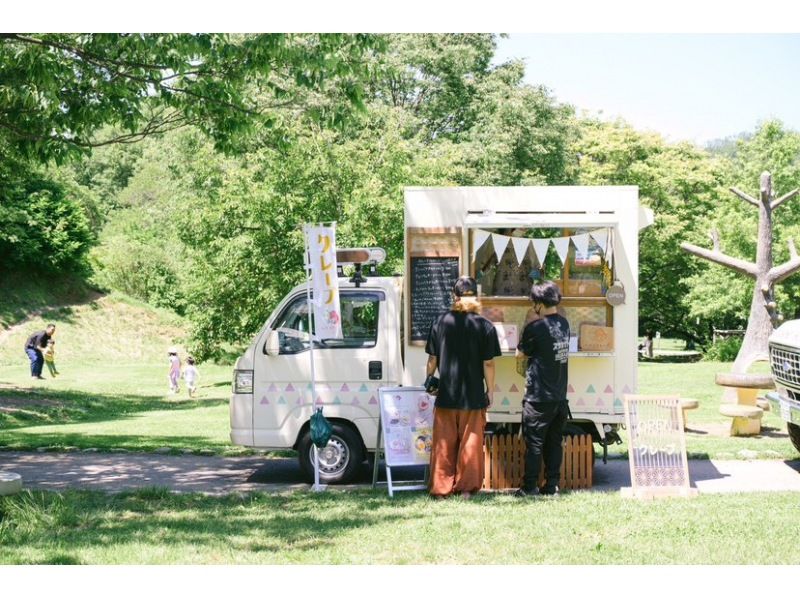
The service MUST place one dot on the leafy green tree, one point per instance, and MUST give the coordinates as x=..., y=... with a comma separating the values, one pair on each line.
x=681, y=184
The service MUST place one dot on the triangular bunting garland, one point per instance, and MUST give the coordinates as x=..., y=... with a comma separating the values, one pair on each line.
x=600, y=237
x=562, y=248
x=521, y=247
x=540, y=247
x=581, y=245
x=500, y=243
x=479, y=239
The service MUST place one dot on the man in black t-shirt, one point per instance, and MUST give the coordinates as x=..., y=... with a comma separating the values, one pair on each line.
x=545, y=343
x=33, y=349
x=462, y=345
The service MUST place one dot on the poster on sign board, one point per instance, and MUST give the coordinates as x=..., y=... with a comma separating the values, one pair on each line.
x=407, y=425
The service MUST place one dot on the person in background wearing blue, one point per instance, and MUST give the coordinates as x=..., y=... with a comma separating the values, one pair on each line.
x=545, y=344
x=34, y=346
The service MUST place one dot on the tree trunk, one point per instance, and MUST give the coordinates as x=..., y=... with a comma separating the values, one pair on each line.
x=760, y=324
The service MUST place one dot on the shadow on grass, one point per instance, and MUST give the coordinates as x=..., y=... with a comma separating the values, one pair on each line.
x=24, y=441
x=56, y=527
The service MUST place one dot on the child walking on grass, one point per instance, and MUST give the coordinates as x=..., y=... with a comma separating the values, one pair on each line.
x=190, y=376
x=174, y=369
x=50, y=357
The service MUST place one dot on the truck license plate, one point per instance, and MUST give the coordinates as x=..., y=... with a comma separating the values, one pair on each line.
x=785, y=416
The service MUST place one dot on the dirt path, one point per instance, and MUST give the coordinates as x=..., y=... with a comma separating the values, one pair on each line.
x=223, y=475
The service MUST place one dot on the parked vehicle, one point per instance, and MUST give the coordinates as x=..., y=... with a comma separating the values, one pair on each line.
x=385, y=320
x=784, y=354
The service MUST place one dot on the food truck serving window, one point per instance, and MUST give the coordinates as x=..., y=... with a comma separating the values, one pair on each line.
x=533, y=254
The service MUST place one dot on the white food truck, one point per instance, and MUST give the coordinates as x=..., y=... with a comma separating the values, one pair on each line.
x=583, y=238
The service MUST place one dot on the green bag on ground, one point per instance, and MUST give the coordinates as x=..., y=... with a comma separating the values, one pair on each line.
x=320, y=429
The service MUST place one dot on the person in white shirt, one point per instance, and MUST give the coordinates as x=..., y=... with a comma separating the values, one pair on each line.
x=190, y=376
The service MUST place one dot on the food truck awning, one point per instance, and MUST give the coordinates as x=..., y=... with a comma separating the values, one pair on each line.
x=540, y=219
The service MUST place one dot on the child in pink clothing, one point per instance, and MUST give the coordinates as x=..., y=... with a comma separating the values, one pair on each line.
x=174, y=369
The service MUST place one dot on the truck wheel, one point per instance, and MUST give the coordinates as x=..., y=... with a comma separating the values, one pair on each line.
x=338, y=461
x=794, y=434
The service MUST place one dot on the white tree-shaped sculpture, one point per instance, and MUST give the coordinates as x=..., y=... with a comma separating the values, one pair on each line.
x=763, y=309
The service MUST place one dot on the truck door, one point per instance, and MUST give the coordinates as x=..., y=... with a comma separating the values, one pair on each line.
x=348, y=371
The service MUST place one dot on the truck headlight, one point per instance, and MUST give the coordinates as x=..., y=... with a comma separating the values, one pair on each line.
x=243, y=381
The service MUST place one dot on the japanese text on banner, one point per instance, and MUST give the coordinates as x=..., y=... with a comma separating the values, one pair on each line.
x=327, y=314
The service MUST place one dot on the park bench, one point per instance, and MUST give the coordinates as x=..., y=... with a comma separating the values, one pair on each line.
x=746, y=413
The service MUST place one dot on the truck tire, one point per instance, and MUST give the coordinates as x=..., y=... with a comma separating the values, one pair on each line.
x=340, y=460
x=794, y=434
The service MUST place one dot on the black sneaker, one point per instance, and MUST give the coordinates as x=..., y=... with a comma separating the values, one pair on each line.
x=549, y=491
x=525, y=493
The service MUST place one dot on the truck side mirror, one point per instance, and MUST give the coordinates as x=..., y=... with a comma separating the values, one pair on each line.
x=273, y=346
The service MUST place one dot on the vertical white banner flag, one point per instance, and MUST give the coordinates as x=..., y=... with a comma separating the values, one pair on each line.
x=478, y=240
x=540, y=246
x=520, y=248
x=500, y=243
x=327, y=313
x=610, y=250
x=601, y=238
x=581, y=243
x=562, y=248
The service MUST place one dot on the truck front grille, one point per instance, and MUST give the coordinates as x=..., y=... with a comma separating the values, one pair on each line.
x=785, y=365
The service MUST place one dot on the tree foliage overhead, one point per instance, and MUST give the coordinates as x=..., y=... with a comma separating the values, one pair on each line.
x=58, y=90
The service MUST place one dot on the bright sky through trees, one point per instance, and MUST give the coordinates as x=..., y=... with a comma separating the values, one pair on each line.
x=685, y=86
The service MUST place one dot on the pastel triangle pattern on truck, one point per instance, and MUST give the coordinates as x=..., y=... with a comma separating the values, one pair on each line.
x=590, y=389
x=300, y=401
x=580, y=402
x=618, y=404
x=626, y=389
x=337, y=401
x=264, y=401
x=289, y=388
x=600, y=403
x=569, y=388
x=363, y=388
x=345, y=388
x=372, y=400
x=513, y=388
x=272, y=388
x=281, y=401
x=355, y=402
x=506, y=401
x=608, y=390
x=497, y=388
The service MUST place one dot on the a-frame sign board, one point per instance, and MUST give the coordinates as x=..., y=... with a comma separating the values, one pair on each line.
x=405, y=434
x=656, y=447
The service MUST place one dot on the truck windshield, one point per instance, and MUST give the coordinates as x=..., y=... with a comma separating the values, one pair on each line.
x=360, y=311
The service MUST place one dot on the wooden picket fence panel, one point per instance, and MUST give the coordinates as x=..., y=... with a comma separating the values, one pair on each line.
x=504, y=462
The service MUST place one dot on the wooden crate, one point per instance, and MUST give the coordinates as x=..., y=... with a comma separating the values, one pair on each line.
x=504, y=461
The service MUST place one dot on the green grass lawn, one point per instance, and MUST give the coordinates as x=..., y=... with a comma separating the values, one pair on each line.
x=366, y=527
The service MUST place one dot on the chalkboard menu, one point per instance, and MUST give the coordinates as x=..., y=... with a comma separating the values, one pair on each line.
x=432, y=280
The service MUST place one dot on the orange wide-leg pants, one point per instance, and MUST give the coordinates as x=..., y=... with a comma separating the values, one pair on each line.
x=457, y=451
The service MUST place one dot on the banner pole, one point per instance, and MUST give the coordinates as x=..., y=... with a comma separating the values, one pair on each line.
x=316, y=486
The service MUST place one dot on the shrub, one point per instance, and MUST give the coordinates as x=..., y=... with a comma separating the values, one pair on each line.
x=725, y=349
